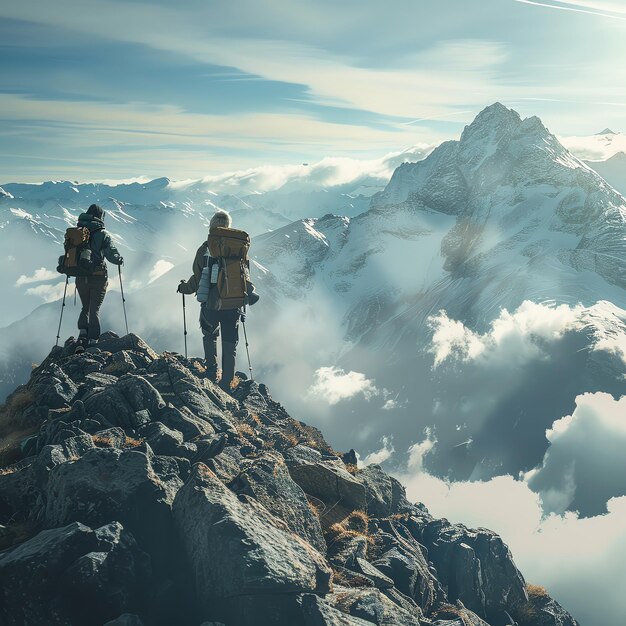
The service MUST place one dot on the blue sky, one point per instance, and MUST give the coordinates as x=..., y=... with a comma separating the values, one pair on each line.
x=101, y=89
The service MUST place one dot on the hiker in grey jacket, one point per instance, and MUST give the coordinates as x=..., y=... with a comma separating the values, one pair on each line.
x=212, y=321
x=92, y=288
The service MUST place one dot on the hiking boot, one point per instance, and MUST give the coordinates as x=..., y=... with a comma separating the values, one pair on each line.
x=211, y=373
x=81, y=344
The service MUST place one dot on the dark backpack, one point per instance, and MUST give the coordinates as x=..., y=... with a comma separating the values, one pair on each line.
x=77, y=260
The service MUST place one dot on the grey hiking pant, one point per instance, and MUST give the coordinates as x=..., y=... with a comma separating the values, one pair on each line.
x=211, y=322
x=91, y=290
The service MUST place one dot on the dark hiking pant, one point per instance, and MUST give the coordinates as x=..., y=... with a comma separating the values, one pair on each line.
x=211, y=322
x=91, y=290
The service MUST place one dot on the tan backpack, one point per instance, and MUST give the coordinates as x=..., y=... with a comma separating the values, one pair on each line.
x=230, y=246
x=77, y=258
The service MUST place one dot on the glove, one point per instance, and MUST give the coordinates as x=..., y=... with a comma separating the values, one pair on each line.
x=120, y=260
x=178, y=289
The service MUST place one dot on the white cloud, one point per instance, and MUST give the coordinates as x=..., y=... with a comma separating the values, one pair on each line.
x=333, y=384
x=160, y=267
x=585, y=464
x=595, y=147
x=329, y=172
x=50, y=293
x=419, y=450
x=38, y=276
x=515, y=338
x=381, y=455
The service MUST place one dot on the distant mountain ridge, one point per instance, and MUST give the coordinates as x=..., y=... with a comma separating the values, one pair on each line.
x=505, y=215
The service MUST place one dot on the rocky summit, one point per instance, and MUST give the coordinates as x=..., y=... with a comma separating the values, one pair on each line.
x=134, y=491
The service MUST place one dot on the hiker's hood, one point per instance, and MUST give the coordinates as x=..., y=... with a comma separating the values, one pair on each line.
x=91, y=222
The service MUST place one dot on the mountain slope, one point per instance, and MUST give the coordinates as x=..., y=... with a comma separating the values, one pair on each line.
x=613, y=170
x=144, y=489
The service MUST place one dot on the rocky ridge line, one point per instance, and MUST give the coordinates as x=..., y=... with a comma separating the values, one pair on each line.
x=134, y=491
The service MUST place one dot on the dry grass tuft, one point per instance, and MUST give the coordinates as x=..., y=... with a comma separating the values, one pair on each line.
x=356, y=524
x=244, y=430
x=358, y=521
x=352, y=580
x=101, y=441
x=351, y=468
x=315, y=505
x=526, y=614
x=450, y=611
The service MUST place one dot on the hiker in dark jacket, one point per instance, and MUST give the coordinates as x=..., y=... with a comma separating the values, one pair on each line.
x=212, y=321
x=92, y=288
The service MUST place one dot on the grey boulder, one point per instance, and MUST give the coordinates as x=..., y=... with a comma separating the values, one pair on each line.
x=238, y=549
x=327, y=480
x=268, y=481
x=72, y=575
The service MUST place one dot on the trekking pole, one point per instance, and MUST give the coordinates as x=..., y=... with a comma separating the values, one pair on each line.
x=67, y=280
x=184, y=321
x=245, y=336
x=119, y=269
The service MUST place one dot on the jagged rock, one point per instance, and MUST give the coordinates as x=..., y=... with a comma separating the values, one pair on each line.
x=77, y=367
x=410, y=573
x=268, y=481
x=208, y=447
x=164, y=440
x=111, y=438
x=52, y=387
x=126, y=619
x=375, y=575
x=120, y=403
x=182, y=389
x=120, y=363
x=327, y=480
x=542, y=610
x=239, y=549
x=384, y=495
x=239, y=541
x=133, y=486
x=130, y=343
x=227, y=464
x=345, y=548
x=111, y=578
x=185, y=422
x=317, y=612
x=476, y=566
x=57, y=431
x=459, y=615
x=72, y=575
x=374, y=607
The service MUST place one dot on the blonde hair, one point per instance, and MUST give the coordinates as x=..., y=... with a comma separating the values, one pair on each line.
x=222, y=219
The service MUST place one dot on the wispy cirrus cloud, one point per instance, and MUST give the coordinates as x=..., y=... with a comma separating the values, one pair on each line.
x=603, y=9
